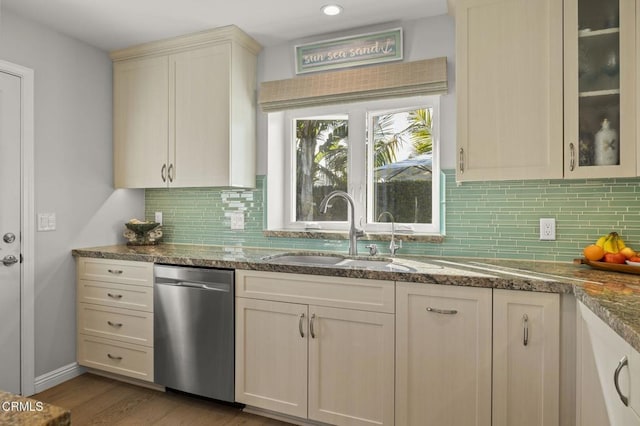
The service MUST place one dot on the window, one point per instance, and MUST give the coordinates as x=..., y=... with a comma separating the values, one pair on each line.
x=383, y=153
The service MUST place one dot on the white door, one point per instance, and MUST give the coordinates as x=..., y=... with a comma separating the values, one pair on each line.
x=10, y=191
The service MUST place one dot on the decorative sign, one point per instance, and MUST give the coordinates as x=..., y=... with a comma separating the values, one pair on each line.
x=351, y=51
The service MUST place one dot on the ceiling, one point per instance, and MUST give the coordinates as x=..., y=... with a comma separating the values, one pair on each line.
x=114, y=24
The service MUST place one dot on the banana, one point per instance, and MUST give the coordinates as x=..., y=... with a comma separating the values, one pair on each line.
x=601, y=240
x=611, y=243
x=621, y=243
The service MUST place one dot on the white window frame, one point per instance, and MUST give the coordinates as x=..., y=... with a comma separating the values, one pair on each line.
x=281, y=164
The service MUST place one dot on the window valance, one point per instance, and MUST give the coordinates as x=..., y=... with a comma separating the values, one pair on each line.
x=424, y=77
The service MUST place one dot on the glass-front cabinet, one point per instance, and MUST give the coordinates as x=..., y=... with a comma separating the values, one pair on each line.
x=599, y=83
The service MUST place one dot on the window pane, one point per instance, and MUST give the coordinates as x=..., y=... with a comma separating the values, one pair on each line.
x=321, y=167
x=402, y=150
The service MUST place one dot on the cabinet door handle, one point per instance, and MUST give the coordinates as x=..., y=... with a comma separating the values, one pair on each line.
x=461, y=161
x=115, y=324
x=442, y=311
x=311, y=330
x=616, y=375
x=300, y=325
x=525, y=328
x=170, y=173
x=115, y=271
x=163, y=172
x=114, y=296
x=116, y=358
x=572, y=157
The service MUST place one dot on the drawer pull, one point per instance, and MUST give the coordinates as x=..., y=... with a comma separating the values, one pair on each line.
x=525, y=327
x=115, y=358
x=115, y=324
x=616, y=375
x=442, y=311
x=114, y=296
x=115, y=271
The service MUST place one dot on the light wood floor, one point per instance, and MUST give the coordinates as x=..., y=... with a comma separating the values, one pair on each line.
x=96, y=400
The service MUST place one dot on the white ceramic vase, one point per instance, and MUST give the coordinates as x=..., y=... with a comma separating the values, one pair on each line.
x=606, y=146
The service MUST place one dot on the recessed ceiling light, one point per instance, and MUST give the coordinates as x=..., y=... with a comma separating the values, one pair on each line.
x=331, y=9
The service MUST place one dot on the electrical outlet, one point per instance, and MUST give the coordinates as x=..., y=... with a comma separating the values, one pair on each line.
x=158, y=217
x=547, y=229
x=237, y=220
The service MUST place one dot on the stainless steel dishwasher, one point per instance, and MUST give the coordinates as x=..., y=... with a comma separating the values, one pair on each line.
x=194, y=330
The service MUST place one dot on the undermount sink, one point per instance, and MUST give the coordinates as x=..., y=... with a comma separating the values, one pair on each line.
x=306, y=259
x=379, y=264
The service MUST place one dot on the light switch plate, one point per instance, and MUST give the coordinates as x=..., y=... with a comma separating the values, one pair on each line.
x=547, y=229
x=46, y=221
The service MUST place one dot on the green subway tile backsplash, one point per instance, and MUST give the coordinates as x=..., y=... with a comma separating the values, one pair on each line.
x=483, y=219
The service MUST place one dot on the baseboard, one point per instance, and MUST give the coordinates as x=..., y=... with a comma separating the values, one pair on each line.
x=281, y=417
x=60, y=375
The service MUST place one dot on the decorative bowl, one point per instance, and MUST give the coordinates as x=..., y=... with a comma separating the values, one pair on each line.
x=141, y=228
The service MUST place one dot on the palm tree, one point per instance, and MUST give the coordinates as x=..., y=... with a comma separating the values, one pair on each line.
x=419, y=130
x=387, y=139
x=321, y=156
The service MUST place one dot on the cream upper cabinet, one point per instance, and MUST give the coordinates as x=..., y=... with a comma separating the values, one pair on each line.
x=184, y=111
x=443, y=355
x=608, y=374
x=526, y=358
x=140, y=117
x=509, y=89
x=600, y=96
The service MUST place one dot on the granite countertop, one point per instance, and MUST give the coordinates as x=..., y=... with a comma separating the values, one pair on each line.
x=613, y=296
x=18, y=410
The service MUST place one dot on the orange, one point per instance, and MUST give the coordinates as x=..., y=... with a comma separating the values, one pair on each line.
x=593, y=252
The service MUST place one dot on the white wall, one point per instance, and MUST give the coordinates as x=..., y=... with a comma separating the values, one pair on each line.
x=73, y=172
x=423, y=39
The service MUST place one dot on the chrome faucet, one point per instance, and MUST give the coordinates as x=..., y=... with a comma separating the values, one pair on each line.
x=354, y=232
x=393, y=247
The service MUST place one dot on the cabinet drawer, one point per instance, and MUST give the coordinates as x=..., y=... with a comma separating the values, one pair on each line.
x=116, y=357
x=126, y=296
x=116, y=271
x=119, y=324
x=339, y=292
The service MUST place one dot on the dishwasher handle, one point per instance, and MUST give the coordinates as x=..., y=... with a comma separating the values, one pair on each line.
x=202, y=286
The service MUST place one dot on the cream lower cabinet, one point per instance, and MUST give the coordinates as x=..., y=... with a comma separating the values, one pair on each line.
x=526, y=358
x=443, y=355
x=603, y=358
x=115, y=316
x=330, y=359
